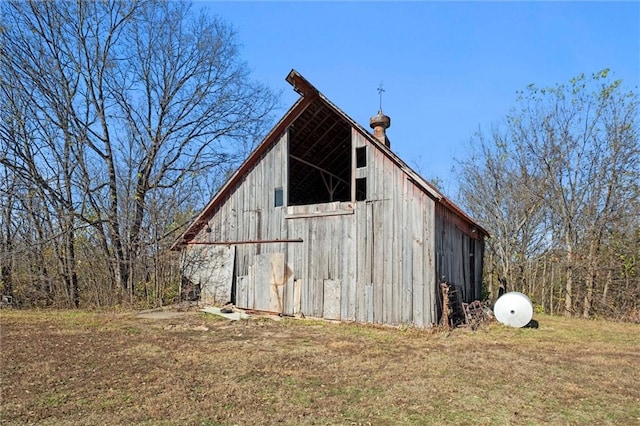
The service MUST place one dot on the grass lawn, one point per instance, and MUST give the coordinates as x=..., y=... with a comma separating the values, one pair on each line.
x=87, y=368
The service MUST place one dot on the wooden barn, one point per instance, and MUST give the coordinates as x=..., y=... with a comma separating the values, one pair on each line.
x=323, y=219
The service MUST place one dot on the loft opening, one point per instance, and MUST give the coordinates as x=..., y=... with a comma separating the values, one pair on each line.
x=361, y=189
x=361, y=157
x=319, y=157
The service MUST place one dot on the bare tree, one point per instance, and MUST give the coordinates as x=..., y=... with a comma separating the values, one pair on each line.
x=7, y=234
x=493, y=187
x=132, y=105
x=571, y=153
x=585, y=136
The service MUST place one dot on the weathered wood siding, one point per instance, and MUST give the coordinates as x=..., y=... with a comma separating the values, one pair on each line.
x=324, y=263
x=395, y=251
x=458, y=253
x=378, y=260
x=211, y=268
x=261, y=276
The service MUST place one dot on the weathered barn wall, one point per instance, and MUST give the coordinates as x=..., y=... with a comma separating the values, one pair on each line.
x=249, y=213
x=324, y=263
x=395, y=246
x=210, y=268
x=458, y=253
x=377, y=260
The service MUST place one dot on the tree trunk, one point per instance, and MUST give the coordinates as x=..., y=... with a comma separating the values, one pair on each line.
x=7, y=280
x=74, y=290
x=543, y=291
x=588, y=296
x=594, y=250
x=551, y=286
x=6, y=271
x=605, y=290
x=568, y=286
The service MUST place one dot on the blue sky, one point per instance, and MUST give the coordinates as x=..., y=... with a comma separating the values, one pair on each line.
x=448, y=68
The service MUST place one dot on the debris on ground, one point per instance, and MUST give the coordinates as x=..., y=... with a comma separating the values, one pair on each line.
x=228, y=312
x=456, y=313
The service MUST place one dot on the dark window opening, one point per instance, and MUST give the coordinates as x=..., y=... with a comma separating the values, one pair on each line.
x=361, y=157
x=320, y=157
x=361, y=189
x=278, y=197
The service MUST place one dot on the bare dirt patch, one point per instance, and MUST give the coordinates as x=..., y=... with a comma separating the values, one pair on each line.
x=82, y=368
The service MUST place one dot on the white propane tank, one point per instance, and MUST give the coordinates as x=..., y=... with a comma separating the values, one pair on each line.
x=513, y=309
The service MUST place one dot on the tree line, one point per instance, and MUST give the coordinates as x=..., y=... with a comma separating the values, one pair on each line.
x=558, y=186
x=118, y=119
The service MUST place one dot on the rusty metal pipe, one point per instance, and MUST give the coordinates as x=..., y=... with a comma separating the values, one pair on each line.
x=229, y=243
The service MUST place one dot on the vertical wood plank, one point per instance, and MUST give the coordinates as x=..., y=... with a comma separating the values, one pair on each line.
x=319, y=262
x=289, y=291
x=418, y=256
x=398, y=235
x=242, y=298
x=277, y=282
x=297, y=296
x=363, y=274
x=251, y=287
x=261, y=282
x=388, y=255
x=408, y=237
x=331, y=306
x=431, y=278
x=377, y=260
x=350, y=255
x=369, y=303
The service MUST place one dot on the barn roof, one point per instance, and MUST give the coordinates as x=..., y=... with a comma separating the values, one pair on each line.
x=316, y=117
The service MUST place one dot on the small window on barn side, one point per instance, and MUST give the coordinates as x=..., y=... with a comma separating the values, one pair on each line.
x=278, y=197
x=361, y=157
x=361, y=189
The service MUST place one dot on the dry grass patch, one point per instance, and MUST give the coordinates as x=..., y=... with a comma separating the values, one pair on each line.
x=102, y=368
